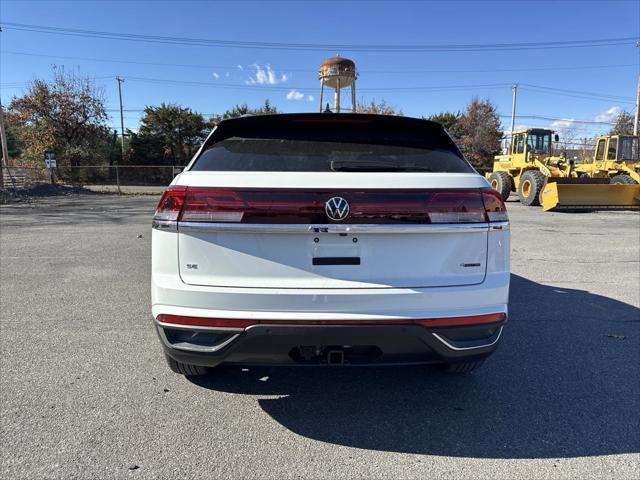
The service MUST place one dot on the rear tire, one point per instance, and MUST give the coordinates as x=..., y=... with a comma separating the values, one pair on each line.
x=530, y=186
x=186, y=368
x=502, y=183
x=622, y=179
x=462, y=367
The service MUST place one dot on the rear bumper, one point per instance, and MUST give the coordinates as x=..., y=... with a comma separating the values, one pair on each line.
x=329, y=344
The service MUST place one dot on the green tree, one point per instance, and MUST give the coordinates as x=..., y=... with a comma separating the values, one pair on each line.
x=67, y=115
x=480, y=132
x=168, y=135
x=13, y=143
x=623, y=124
x=244, y=109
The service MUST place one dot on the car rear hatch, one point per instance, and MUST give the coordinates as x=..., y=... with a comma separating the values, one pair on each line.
x=336, y=229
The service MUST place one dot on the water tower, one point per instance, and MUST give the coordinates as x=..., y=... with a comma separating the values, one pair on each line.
x=337, y=73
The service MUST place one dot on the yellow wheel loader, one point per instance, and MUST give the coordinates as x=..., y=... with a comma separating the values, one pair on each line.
x=616, y=157
x=529, y=167
x=616, y=163
x=526, y=165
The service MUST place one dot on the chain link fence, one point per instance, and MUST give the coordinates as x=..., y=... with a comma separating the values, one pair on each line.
x=116, y=176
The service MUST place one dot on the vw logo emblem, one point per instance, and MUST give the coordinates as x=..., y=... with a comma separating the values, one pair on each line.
x=336, y=208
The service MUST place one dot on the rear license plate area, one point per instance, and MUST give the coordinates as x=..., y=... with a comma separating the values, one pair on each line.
x=336, y=261
x=335, y=250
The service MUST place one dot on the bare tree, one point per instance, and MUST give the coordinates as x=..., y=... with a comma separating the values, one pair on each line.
x=379, y=108
x=623, y=124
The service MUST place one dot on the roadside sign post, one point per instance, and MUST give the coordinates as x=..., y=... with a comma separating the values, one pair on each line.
x=50, y=162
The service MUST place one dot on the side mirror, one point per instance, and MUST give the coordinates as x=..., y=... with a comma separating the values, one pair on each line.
x=556, y=137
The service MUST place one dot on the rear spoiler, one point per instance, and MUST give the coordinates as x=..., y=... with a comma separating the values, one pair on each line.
x=352, y=127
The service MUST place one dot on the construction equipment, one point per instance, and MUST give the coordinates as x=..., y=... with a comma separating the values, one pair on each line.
x=526, y=165
x=585, y=196
x=610, y=180
x=616, y=157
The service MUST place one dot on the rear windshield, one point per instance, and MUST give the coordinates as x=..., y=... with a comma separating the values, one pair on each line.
x=351, y=149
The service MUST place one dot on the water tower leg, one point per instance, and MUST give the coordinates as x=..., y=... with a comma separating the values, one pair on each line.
x=336, y=107
x=353, y=97
x=321, y=93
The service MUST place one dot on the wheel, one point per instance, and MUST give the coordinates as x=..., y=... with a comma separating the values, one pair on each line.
x=531, y=183
x=185, y=368
x=583, y=175
x=622, y=179
x=462, y=367
x=502, y=183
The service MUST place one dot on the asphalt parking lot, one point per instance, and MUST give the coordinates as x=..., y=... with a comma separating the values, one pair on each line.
x=85, y=391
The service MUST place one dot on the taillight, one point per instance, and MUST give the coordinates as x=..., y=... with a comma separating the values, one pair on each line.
x=171, y=203
x=494, y=206
x=244, y=323
x=455, y=207
x=292, y=206
x=213, y=205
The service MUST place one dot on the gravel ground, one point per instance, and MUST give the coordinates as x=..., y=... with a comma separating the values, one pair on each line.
x=85, y=392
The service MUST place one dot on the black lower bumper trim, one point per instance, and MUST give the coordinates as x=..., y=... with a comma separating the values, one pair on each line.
x=357, y=344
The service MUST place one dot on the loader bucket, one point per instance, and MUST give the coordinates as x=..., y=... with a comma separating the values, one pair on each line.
x=589, y=196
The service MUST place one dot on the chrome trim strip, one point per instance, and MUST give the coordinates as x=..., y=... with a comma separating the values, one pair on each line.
x=164, y=225
x=176, y=326
x=332, y=228
x=499, y=226
x=468, y=348
x=215, y=348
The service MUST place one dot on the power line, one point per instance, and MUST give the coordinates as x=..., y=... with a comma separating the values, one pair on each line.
x=290, y=69
x=275, y=88
x=523, y=116
x=564, y=90
x=554, y=119
x=24, y=84
x=288, y=88
x=584, y=97
x=323, y=47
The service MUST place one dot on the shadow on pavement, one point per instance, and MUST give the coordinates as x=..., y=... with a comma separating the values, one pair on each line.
x=564, y=383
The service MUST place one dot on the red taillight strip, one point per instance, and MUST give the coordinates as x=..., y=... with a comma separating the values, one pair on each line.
x=244, y=323
x=456, y=321
x=290, y=206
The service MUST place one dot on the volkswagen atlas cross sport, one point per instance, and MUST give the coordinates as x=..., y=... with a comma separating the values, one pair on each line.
x=329, y=239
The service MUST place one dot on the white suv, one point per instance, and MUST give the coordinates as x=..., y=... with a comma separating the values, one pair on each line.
x=329, y=239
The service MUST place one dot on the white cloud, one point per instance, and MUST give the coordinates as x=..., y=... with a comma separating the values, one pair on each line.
x=608, y=115
x=295, y=95
x=310, y=98
x=240, y=67
x=265, y=76
x=216, y=75
x=563, y=123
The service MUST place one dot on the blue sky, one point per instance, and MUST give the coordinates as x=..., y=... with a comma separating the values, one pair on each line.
x=226, y=76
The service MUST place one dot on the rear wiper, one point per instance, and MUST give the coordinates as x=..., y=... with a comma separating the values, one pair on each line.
x=373, y=166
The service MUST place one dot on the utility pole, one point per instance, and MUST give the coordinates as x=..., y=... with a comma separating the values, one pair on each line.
x=514, y=91
x=5, y=150
x=120, y=81
x=635, y=121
